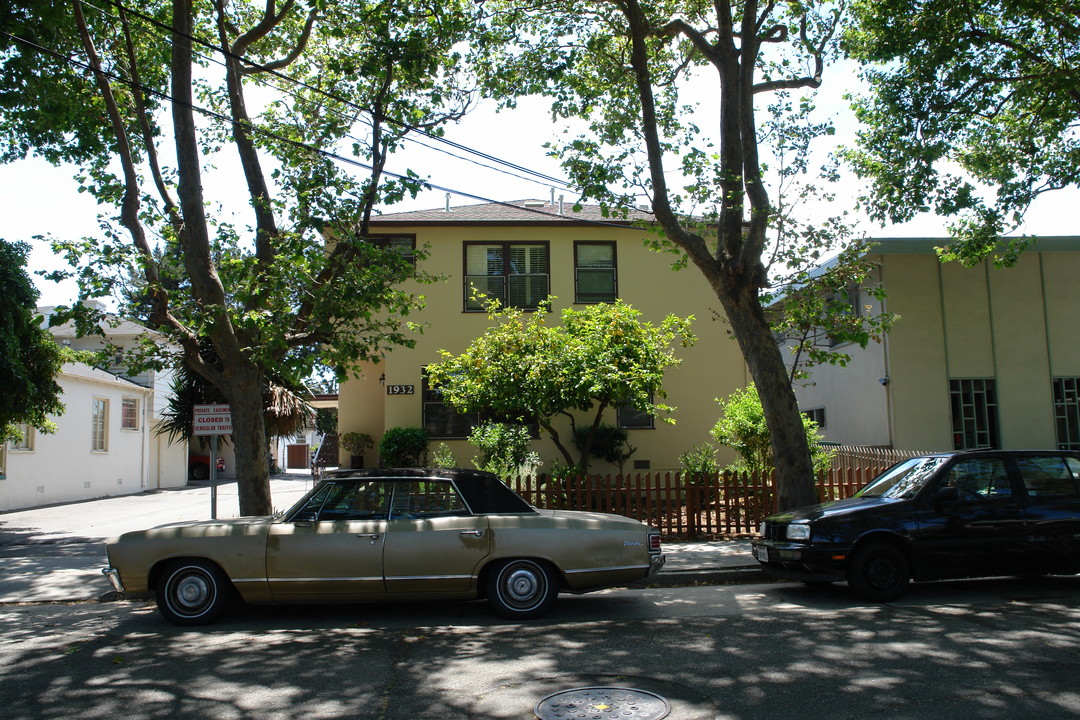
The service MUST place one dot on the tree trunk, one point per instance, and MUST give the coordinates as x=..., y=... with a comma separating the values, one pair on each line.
x=245, y=396
x=791, y=453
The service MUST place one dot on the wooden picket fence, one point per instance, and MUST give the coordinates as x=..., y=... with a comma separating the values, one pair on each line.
x=683, y=507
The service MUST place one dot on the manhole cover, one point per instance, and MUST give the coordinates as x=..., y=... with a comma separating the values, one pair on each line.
x=602, y=703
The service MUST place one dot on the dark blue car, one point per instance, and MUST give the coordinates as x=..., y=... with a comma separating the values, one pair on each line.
x=949, y=515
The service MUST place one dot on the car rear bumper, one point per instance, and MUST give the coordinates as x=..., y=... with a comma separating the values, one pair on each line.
x=656, y=562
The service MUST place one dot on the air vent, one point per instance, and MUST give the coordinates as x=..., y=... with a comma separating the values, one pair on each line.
x=534, y=203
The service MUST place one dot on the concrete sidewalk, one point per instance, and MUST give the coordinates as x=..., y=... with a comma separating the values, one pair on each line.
x=55, y=553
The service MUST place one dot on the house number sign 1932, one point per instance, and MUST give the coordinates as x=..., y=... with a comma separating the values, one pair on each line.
x=400, y=389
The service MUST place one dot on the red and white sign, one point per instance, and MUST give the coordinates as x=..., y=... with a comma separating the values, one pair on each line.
x=212, y=420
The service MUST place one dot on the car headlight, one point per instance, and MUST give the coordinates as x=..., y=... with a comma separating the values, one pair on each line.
x=798, y=531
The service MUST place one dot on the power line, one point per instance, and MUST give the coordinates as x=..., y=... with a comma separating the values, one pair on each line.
x=276, y=136
x=547, y=179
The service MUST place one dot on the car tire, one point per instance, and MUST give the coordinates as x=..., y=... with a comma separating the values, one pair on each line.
x=199, y=471
x=192, y=592
x=878, y=571
x=522, y=589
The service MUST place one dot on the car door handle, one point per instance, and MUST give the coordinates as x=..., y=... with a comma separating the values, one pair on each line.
x=373, y=536
x=476, y=533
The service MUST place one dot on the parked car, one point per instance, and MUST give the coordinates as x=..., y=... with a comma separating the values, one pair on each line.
x=949, y=515
x=386, y=534
x=199, y=466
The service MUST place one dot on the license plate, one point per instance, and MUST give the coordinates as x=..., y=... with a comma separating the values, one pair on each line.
x=761, y=553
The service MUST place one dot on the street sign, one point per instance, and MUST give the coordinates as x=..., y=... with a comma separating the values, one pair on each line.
x=212, y=420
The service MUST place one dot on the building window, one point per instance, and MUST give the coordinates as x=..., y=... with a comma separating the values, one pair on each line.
x=974, y=413
x=26, y=443
x=817, y=415
x=595, y=277
x=442, y=421
x=851, y=305
x=633, y=419
x=129, y=414
x=1067, y=412
x=516, y=275
x=99, y=425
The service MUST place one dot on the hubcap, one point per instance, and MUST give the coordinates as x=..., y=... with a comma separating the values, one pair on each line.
x=522, y=586
x=882, y=574
x=192, y=592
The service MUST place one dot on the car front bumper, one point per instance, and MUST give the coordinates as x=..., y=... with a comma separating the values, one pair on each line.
x=114, y=578
x=796, y=561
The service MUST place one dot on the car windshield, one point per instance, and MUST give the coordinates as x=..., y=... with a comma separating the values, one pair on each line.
x=903, y=479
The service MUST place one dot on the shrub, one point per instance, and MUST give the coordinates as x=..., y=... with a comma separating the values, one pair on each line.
x=504, y=449
x=743, y=428
x=699, y=461
x=443, y=457
x=611, y=443
x=404, y=447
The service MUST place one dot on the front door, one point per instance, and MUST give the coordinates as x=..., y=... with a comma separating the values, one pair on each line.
x=333, y=547
x=977, y=528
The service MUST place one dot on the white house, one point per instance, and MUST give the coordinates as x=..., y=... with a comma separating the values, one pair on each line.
x=108, y=440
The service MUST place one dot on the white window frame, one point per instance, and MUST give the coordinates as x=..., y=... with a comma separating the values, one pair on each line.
x=27, y=443
x=99, y=425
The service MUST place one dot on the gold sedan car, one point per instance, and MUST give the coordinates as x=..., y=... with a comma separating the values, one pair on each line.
x=383, y=535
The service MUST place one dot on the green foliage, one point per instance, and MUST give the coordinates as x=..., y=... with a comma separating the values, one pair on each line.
x=610, y=443
x=699, y=460
x=356, y=443
x=291, y=279
x=404, y=447
x=443, y=457
x=523, y=370
x=29, y=358
x=971, y=112
x=742, y=427
x=504, y=449
x=326, y=420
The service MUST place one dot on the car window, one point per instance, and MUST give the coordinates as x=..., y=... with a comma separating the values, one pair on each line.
x=427, y=499
x=356, y=501
x=1047, y=475
x=904, y=479
x=978, y=479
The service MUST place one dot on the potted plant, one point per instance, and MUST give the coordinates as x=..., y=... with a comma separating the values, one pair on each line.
x=357, y=443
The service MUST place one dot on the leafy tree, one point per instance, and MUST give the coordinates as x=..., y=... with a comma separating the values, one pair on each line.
x=29, y=358
x=610, y=443
x=120, y=93
x=742, y=427
x=972, y=112
x=635, y=71
x=523, y=370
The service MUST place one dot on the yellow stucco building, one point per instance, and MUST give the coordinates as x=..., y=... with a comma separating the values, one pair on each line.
x=980, y=357
x=521, y=252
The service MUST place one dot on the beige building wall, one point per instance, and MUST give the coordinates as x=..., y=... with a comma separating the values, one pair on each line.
x=712, y=368
x=1014, y=325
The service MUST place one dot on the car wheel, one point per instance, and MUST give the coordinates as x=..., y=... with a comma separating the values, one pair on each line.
x=192, y=592
x=522, y=589
x=199, y=471
x=879, y=572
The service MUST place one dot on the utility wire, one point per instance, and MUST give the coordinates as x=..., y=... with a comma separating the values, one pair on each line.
x=289, y=141
x=547, y=179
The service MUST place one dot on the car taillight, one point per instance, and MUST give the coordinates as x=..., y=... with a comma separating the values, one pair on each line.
x=654, y=542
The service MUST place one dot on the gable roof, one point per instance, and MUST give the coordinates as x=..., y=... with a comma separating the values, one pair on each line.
x=515, y=212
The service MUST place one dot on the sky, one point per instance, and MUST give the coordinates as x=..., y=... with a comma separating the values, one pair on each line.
x=39, y=199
